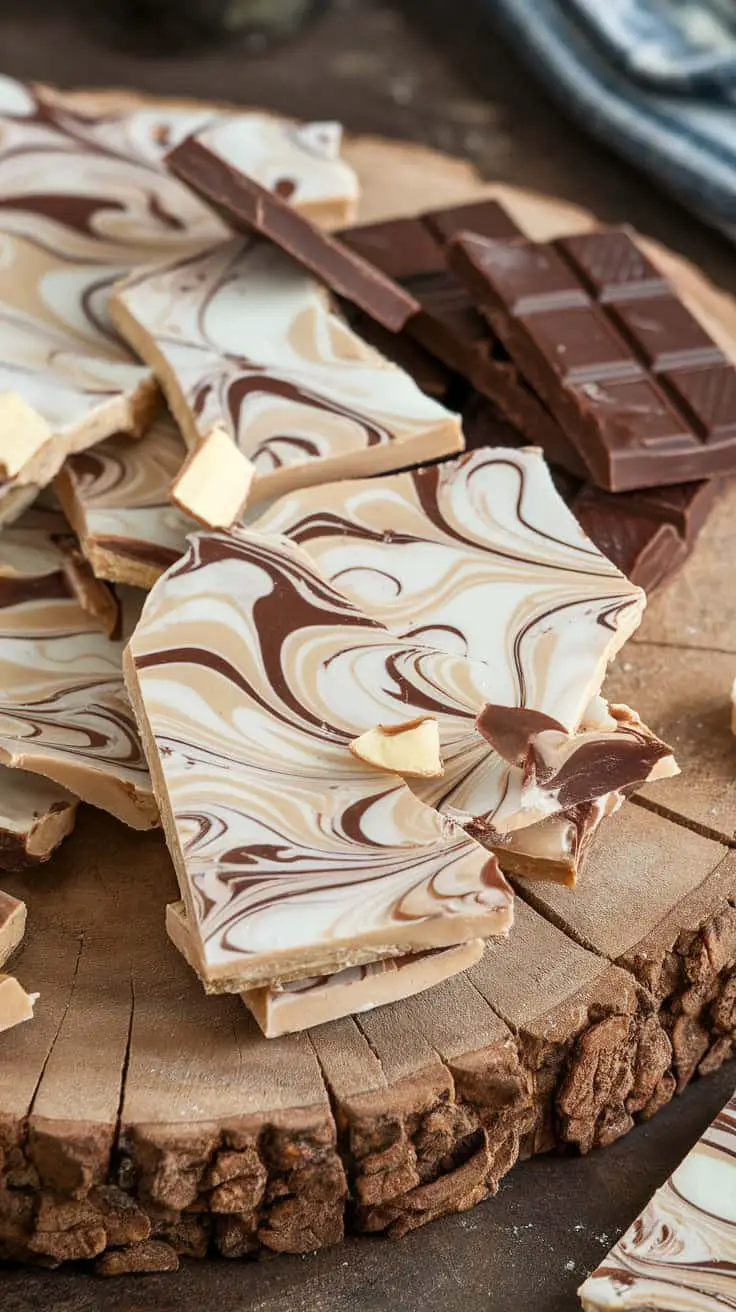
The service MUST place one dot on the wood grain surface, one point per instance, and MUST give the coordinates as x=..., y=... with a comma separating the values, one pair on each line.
x=131, y=1057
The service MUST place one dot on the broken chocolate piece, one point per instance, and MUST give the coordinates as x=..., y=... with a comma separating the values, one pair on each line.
x=640, y=388
x=116, y=497
x=214, y=483
x=247, y=722
x=12, y=925
x=304, y=1003
x=243, y=340
x=206, y=163
x=680, y=1253
x=35, y=817
x=63, y=710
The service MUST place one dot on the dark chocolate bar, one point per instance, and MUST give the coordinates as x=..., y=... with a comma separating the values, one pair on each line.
x=648, y=551
x=634, y=379
x=248, y=207
x=412, y=251
x=684, y=505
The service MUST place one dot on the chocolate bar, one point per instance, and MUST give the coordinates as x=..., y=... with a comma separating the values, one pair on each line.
x=680, y=1253
x=63, y=710
x=251, y=677
x=210, y=165
x=116, y=498
x=35, y=817
x=636, y=382
x=412, y=251
x=304, y=1003
x=244, y=341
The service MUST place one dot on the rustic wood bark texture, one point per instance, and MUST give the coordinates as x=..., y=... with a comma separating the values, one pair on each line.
x=141, y=1121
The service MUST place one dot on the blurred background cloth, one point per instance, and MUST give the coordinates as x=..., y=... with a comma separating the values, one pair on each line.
x=655, y=79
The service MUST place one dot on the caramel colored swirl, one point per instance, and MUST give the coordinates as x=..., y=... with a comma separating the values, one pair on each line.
x=251, y=675
x=680, y=1254
x=63, y=709
x=244, y=340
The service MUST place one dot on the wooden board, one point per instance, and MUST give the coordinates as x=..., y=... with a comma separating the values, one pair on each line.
x=140, y=1120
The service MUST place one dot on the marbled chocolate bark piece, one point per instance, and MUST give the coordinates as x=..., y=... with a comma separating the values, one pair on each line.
x=36, y=815
x=242, y=339
x=680, y=1253
x=481, y=557
x=84, y=201
x=12, y=925
x=16, y=1005
x=116, y=497
x=302, y=1003
x=64, y=714
x=250, y=676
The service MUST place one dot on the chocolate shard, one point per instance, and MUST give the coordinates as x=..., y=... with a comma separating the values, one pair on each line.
x=509, y=729
x=633, y=378
x=248, y=207
x=12, y=925
x=681, y=1251
x=36, y=815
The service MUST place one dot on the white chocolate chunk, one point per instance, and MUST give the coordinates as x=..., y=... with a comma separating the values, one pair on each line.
x=16, y=1006
x=215, y=482
x=241, y=339
x=250, y=676
x=23, y=433
x=680, y=1253
x=12, y=925
x=411, y=749
x=298, y=1005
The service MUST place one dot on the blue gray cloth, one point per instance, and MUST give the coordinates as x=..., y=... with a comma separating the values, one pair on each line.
x=654, y=79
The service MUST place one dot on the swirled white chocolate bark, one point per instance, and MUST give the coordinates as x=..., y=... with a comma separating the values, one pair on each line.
x=680, y=1253
x=250, y=676
x=84, y=201
x=63, y=709
x=241, y=339
x=35, y=816
x=116, y=497
x=301, y=1003
x=12, y=925
x=481, y=557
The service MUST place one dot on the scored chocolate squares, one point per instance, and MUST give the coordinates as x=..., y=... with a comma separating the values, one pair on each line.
x=244, y=342
x=635, y=380
x=303, y=1003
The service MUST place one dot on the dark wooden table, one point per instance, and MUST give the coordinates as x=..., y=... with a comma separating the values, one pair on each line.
x=384, y=69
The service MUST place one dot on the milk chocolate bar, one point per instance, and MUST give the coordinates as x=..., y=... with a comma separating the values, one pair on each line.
x=242, y=340
x=448, y=325
x=639, y=386
x=251, y=676
x=12, y=925
x=207, y=163
x=63, y=710
x=304, y=1003
x=36, y=815
x=116, y=498
x=480, y=558
x=85, y=199
x=680, y=1253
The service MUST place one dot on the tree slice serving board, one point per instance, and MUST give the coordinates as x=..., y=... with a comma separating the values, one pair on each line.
x=141, y=1120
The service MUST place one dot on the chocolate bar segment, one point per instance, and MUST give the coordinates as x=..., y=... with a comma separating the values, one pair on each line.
x=248, y=207
x=680, y=1253
x=635, y=381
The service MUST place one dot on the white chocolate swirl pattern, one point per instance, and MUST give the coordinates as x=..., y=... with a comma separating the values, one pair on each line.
x=242, y=339
x=63, y=709
x=83, y=201
x=479, y=556
x=680, y=1253
x=116, y=497
x=250, y=676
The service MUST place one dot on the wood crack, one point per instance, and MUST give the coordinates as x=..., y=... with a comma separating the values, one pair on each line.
x=685, y=822
x=65, y=1013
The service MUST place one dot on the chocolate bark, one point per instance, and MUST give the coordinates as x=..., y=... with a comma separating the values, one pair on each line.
x=35, y=817
x=641, y=389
